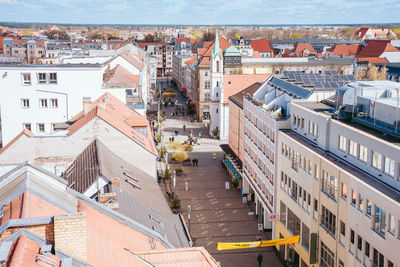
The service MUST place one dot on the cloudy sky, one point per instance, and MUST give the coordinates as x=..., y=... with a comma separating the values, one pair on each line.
x=201, y=11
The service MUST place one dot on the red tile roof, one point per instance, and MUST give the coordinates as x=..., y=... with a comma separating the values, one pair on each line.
x=191, y=61
x=204, y=54
x=299, y=49
x=121, y=117
x=236, y=83
x=26, y=253
x=261, y=46
x=135, y=61
x=373, y=60
x=375, y=48
x=345, y=50
x=122, y=75
x=361, y=32
x=180, y=40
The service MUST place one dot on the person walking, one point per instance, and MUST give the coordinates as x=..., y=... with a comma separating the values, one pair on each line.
x=184, y=127
x=201, y=134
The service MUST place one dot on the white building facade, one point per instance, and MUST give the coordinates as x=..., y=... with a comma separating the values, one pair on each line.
x=36, y=96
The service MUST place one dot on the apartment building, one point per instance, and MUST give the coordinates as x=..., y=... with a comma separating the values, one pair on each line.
x=163, y=53
x=265, y=112
x=36, y=97
x=339, y=183
x=178, y=69
x=29, y=49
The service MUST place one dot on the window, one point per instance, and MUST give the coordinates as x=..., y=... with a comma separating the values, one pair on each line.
x=43, y=103
x=353, y=148
x=26, y=126
x=327, y=256
x=377, y=160
x=315, y=209
x=342, y=143
x=392, y=223
x=379, y=222
x=54, y=103
x=369, y=207
x=390, y=264
x=42, y=77
x=293, y=223
x=40, y=127
x=305, y=237
x=344, y=190
x=207, y=85
x=378, y=259
x=353, y=197
x=328, y=220
x=26, y=79
x=282, y=216
x=363, y=153
x=342, y=232
x=359, y=243
x=367, y=249
x=352, y=240
x=25, y=103
x=389, y=166
x=329, y=184
x=360, y=202
x=341, y=264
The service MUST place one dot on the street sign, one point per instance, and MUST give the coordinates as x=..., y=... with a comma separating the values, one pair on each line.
x=214, y=155
x=272, y=217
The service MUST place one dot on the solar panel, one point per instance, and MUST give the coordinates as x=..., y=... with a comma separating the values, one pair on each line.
x=318, y=85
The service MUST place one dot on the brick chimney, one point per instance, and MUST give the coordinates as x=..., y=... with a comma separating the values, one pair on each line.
x=70, y=234
x=87, y=105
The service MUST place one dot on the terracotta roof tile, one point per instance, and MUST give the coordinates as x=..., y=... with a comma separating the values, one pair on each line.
x=375, y=48
x=361, y=32
x=262, y=46
x=299, y=48
x=121, y=117
x=191, y=61
x=135, y=61
x=236, y=83
x=373, y=60
x=345, y=50
x=238, y=97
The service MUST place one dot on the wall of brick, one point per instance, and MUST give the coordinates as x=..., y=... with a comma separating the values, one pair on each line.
x=70, y=234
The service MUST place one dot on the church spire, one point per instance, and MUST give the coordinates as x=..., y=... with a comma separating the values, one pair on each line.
x=217, y=50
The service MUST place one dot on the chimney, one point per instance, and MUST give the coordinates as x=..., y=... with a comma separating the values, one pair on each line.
x=109, y=200
x=70, y=234
x=87, y=105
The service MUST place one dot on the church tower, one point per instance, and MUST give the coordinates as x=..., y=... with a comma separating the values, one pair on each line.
x=216, y=79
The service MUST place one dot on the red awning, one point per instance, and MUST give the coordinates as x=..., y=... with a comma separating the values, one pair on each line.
x=183, y=89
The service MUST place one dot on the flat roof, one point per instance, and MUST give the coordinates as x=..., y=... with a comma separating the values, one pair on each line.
x=329, y=111
x=343, y=165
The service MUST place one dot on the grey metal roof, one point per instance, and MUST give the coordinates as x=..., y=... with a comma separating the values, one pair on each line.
x=66, y=262
x=10, y=60
x=290, y=87
x=5, y=247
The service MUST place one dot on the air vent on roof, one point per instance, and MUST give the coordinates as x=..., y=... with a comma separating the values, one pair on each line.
x=45, y=249
x=132, y=184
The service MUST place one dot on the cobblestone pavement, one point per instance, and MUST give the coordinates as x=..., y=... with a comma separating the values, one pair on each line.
x=217, y=214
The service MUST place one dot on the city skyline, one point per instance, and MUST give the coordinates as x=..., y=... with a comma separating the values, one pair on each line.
x=206, y=12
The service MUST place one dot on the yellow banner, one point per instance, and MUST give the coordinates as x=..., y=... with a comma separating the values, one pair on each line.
x=259, y=244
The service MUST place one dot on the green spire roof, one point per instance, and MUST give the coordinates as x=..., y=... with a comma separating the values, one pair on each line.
x=217, y=50
x=232, y=51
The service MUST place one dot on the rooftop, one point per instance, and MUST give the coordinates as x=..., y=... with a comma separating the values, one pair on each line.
x=238, y=97
x=345, y=166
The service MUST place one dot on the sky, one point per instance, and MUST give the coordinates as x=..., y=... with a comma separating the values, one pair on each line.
x=201, y=11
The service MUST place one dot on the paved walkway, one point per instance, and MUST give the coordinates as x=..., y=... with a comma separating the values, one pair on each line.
x=217, y=214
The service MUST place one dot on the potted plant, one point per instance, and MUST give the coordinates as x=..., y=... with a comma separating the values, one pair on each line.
x=175, y=204
x=195, y=117
x=186, y=162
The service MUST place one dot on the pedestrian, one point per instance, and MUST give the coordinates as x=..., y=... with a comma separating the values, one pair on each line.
x=201, y=134
x=191, y=134
x=184, y=127
x=172, y=114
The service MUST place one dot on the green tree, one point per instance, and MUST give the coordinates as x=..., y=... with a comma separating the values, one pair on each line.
x=296, y=35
